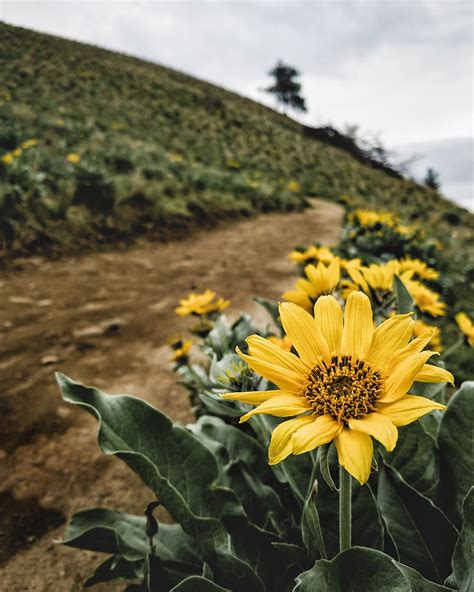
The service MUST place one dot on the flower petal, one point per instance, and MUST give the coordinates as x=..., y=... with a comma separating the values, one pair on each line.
x=358, y=325
x=430, y=373
x=267, y=351
x=328, y=315
x=321, y=430
x=377, y=426
x=354, y=451
x=304, y=333
x=281, y=406
x=403, y=376
x=287, y=380
x=281, y=444
x=253, y=397
x=298, y=297
x=389, y=337
x=408, y=409
x=414, y=347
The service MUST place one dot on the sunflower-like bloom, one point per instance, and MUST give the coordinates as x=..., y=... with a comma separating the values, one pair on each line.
x=419, y=268
x=377, y=279
x=369, y=218
x=180, y=349
x=425, y=299
x=201, y=304
x=466, y=326
x=420, y=328
x=312, y=253
x=348, y=384
x=319, y=280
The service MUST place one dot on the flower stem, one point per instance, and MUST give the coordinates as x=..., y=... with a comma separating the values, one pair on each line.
x=451, y=350
x=345, y=509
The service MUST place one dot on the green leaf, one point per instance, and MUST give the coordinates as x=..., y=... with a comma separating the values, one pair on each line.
x=311, y=527
x=415, y=459
x=363, y=570
x=180, y=470
x=462, y=577
x=198, y=584
x=405, y=302
x=323, y=458
x=422, y=534
x=271, y=307
x=114, y=568
x=456, y=445
x=119, y=533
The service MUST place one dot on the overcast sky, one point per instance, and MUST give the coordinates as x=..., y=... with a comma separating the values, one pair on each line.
x=400, y=68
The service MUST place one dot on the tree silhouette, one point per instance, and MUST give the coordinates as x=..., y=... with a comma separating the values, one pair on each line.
x=432, y=179
x=285, y=88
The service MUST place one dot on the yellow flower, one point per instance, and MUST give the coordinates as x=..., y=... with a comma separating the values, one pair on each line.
x=8, y=158
x=180, y=350
x=283, y=342
x=294, y=186
x=377, y=279
x=73, y=158
x=175, y=157
x=369, y=218
x=351, y=263
x=319, y=280
x=419, y=268
x=201, y=304
x=17, y=152
x=348, y=385
x=312, y=253
x=420, y=328
x=425, y=299
x=466, y=326
x=29, y=143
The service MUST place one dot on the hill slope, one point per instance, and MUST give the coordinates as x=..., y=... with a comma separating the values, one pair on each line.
x=96, y=146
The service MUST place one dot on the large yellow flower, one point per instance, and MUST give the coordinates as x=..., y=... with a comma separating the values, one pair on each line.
x=319, y=280
x=201, y=304
x=349, y=383
x=466, y=326
x=425, y=299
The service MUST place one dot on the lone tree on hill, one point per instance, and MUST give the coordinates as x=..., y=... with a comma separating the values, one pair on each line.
x=432, y=179
x=285, y=88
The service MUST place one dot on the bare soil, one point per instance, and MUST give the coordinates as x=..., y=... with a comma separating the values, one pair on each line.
x=103, y=319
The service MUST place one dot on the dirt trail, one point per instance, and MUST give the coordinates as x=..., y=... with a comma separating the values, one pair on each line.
x=52, y=317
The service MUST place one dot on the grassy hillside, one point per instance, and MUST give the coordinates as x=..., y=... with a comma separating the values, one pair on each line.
x=96, y=146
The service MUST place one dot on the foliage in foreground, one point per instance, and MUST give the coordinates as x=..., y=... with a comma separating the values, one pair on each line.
x=241, y=524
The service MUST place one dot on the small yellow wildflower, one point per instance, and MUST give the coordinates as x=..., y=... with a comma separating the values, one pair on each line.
x=466, y=326
x=73, y=158
x=294, y=186
x=201, y=304
x=17, y=152
x=8, y=158
x=425, y=299
x=419, y=268
x=348, y=385
x=180, y=350
x=175, y=157
x=283, y=342
x=421, y=328
x=29, y=143
x=312, y=253
x=319, y=280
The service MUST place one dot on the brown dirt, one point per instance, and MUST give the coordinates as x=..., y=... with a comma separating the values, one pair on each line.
x=50, y=465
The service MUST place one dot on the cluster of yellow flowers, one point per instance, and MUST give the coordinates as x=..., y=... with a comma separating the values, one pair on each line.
x=375, y=280
x=9, y=157
x=202, y=304
x=368, y=219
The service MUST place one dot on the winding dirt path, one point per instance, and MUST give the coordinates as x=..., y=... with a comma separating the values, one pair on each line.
x=52, y=317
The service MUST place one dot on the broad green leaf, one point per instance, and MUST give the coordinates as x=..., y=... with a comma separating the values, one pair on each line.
x=462, y=577
x=456, y=443
x=405, y=302
x=422, y=534
x=119, y=533
x=415, y=458
x=180, y=470
x=198, y=584
x=363, y=570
